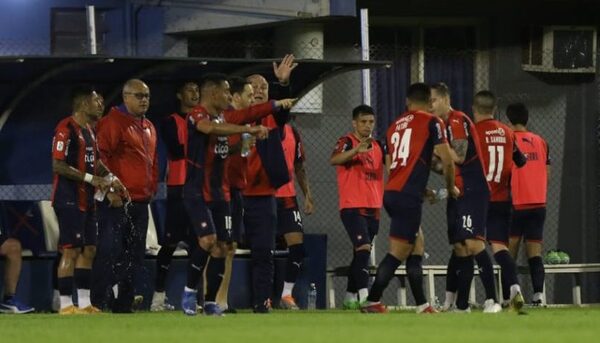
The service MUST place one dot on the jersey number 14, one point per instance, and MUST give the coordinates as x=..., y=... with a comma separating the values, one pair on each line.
x=401, y=148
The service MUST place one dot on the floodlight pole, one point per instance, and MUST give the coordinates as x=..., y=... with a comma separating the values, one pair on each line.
x=91, y=28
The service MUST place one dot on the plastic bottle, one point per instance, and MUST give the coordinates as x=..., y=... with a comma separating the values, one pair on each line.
x=441, y=194
x=312, y=297
x=245, y=149
x=100, y=195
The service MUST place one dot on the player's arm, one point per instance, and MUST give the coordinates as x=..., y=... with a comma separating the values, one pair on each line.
x=436, y=165
x=459, y=150
x=209, y=127
x=116, y=184
x=257, y=112
x=300, y=170
x=518, y=157
x=388, y=163
x=345, y=156
x=169, y=134
x=445, y=153
x=62, y=168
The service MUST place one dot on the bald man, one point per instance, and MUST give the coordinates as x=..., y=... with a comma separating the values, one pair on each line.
x=127, y=145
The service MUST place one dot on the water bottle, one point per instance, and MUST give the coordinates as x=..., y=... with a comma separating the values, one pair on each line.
x=245, y=149
x=100, y=195
x=312, y=297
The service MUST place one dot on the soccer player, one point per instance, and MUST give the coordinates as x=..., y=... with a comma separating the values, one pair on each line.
x=77, y=172
x=206, y=197
x=467, y=214
x=412, y=139
x=289, y=220
x=529, y=186
x=177, y=227
x=10, y=248
x=359, y=161
x=127, y=143
x=499, y=151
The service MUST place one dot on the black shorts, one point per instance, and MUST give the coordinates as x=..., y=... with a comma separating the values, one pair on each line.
x=288, y=216
x=467, y=217
x=405, y=212
x=237, y=215
x=76, y=228
x=199, y=216
x=177, y=224
x=498, y=222
x=221, y=214
x=529, y=224
x=260, y=222
x=361, y=224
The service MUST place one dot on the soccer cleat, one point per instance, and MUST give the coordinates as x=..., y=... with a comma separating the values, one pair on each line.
x=69, y=310
x=351, y=305
x=517, y=302
x=377, y=307
x=212, y=309
x=426, y=308
x=15, y=307
x=188, y=303
x=491, y=306
x=90, y=310
x=537, y=303
x=563, y=257
x=288, y=303
x=263, y=308
x=448, y=307
x=138, y=301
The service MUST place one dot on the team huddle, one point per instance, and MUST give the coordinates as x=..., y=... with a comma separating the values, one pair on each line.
x=233, y=161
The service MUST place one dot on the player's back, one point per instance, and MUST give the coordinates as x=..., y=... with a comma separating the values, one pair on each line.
x=529, y=183
x=410, y=140
x=195, y=154
x=497, y=145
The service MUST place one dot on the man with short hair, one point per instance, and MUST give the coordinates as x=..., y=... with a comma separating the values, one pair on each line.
x=529, y=186
x=77, y=172
x=127, y=143
x=10, y=248
x=466, y=214
x=499, y=151
x=359, y=161
x=412, y=139
x=177, y=226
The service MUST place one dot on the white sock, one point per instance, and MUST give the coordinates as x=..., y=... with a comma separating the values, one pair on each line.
x=186, y=289
x=115, y=289
x=66, y=301
x=350, y=296
x=363, y=293
x=83, y=298
x=287, y=289
x=514, y=289
x=450, y=298
x=537, y=296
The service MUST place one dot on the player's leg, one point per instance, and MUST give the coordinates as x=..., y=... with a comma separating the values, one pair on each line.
x=11, y=249
x=405, y=214
x=498, y=226
x=215, y=268
x=358, y=274
x=454, y=261
x=289, y=224
x=414, y=270
x=534, y=235
x=83, y=265
x=71, y=223
x=222, y=294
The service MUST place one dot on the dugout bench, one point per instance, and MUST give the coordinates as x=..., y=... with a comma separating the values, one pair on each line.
x=430, y=272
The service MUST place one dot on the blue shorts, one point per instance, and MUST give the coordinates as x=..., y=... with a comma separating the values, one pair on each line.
x=237, y=215
x=498, y=222
x=361, y=224
x=288, y=216
x=76, y=228
x=405, y=212
x=221, y=214
x=467, y=217
x=199, y=216
x=177, y=224
x=529, y=224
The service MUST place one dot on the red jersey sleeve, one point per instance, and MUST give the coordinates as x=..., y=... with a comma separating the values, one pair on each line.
x=196, y=116
x=60, y=143
x=457, y=128
x=343, y=144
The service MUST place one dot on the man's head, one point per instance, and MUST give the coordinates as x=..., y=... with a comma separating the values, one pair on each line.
x=86, y=101
x=188, y=94
x=484, y=104
x=136, y=97
x=242, y=92
x=261, y=88
x=418, y=97
x=517, y=114
x=440, y=99
x=214, y=92
x=363, y=121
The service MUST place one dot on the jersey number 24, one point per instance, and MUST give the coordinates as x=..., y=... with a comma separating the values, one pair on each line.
x=401, y=148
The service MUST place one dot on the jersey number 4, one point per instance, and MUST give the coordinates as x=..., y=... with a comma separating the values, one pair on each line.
x=401, y=148
x=496, y=163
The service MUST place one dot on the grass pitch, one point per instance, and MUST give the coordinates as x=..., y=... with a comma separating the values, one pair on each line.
x=540, y=325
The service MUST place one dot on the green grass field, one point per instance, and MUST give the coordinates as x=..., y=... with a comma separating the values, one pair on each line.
x=540, y=325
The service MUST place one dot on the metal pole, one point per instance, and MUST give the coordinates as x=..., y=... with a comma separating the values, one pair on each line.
x=91, y=28
x=364, y=42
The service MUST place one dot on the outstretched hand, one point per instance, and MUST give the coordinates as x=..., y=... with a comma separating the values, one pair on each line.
x=261, y=132
x=286, y=104
x=284, y=69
